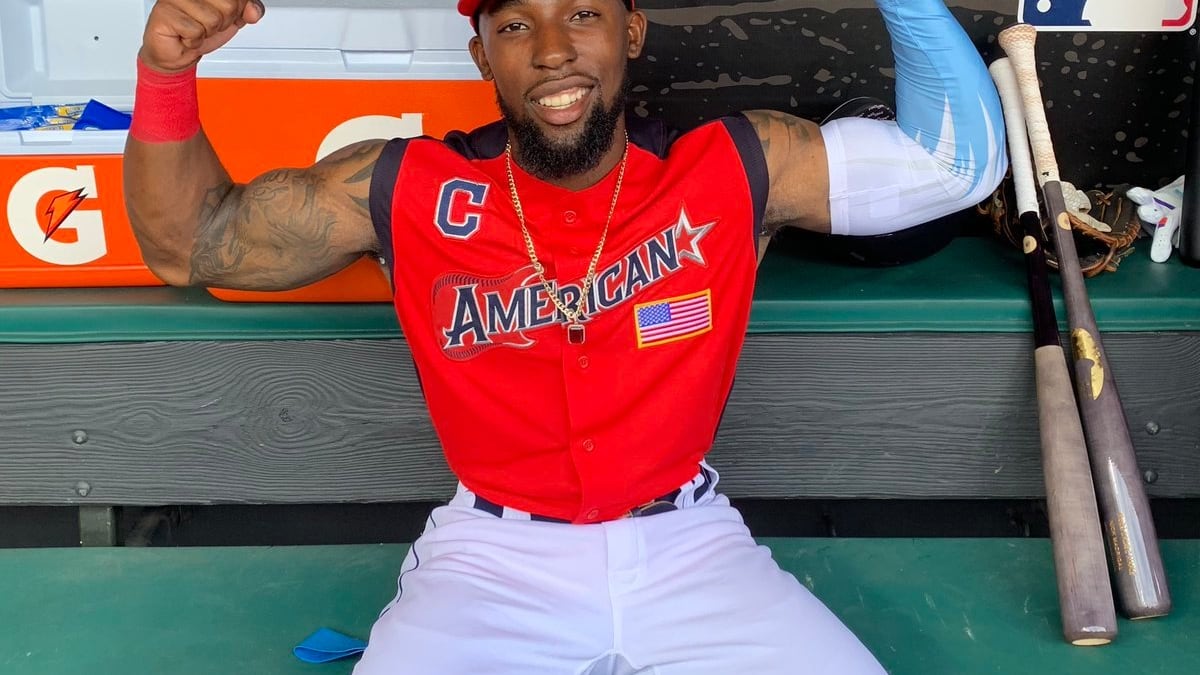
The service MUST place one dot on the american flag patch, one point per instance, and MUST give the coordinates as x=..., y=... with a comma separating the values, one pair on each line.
x=673, y=319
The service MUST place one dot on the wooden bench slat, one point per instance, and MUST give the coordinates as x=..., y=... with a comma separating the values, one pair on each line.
x=922, y=605
x=812, y=416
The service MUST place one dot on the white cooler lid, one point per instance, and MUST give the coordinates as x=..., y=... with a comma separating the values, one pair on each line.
x=68, y=51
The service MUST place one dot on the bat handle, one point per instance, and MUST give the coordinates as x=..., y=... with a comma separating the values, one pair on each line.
x=1018, y=41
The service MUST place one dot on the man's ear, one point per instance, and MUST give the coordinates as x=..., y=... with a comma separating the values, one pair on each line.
x=480, y=58
x=637, y=33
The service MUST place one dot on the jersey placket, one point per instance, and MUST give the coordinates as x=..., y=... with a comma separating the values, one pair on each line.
x=572, y=232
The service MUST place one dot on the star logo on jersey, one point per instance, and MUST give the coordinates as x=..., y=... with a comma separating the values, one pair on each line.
x=687, y=237
x=473, y=314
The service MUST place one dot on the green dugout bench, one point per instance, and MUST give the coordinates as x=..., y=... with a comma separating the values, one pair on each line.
x=912, y=382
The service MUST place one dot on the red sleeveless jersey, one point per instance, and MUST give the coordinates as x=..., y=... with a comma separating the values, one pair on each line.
x=582, y=432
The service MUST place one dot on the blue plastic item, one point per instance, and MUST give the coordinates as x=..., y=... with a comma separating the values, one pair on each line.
x=25, y=118
x=99, y=117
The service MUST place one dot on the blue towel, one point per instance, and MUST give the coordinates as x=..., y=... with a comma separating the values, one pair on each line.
x=327, y=645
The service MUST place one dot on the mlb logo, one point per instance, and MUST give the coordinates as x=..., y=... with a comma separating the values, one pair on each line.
x=1109, y=15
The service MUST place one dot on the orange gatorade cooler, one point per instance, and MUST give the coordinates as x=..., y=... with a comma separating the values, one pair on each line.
x=63, y=222
x=309, y=79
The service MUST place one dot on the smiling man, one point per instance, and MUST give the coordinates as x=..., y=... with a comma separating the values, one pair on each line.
x=575, y=286
x=563, y=113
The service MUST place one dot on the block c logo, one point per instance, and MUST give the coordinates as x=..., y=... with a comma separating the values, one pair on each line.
x=58, y=191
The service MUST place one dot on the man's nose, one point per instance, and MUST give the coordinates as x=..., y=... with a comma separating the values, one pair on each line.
x=554, y=48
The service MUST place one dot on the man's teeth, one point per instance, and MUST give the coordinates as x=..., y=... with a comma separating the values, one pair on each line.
x=564, y=99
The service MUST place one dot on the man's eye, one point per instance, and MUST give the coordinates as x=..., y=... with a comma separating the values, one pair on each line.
x=585, y=14
x=511, y=27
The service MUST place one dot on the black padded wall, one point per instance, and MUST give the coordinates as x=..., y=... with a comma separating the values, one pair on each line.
x=1117, y=102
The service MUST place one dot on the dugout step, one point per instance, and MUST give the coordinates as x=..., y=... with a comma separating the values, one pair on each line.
x=973, y=285
x=921, y=606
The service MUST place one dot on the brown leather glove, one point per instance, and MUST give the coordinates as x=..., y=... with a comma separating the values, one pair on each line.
x=1104, y=223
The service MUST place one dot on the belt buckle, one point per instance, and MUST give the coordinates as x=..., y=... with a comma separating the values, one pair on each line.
x=653, y=508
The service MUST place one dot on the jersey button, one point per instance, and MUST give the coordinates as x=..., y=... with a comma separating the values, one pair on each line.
x=593, y=514
x=569, y=217
x=584, y=362
x=588, y=445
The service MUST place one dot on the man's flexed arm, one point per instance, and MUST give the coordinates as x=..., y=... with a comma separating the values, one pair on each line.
x=196, y=226
x=943, y=153
x=284, y=229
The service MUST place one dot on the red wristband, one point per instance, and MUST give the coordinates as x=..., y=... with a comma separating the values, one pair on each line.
x=165, y=108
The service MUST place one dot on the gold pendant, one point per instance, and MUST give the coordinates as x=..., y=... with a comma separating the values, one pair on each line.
x=575, y=333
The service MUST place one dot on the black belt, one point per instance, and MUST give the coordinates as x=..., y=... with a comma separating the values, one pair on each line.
x=663, y=504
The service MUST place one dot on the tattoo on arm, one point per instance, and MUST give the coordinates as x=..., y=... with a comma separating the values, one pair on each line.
x=268, y=232
x=780, y=130
x=362, y=176
x=214, y=249
x=280, y=230
x=787, y=144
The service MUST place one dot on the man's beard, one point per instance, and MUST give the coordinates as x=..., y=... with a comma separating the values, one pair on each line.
x=549, y=160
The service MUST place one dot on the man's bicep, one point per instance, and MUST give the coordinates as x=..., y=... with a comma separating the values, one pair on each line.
x=797, y=170
x=288, y=227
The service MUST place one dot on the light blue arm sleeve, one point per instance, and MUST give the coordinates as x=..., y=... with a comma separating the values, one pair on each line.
x=946, y=106
x=945, y=98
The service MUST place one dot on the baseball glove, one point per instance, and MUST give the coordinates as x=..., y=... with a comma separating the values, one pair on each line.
x=1105, y=224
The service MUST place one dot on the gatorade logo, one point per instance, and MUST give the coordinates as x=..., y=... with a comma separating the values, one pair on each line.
x=46, y=216
x=1109, y=15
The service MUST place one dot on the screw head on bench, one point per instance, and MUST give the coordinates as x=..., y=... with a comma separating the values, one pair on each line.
x=1152, y=428
x=1150, y=476
x=83, y=488
x=79, y=437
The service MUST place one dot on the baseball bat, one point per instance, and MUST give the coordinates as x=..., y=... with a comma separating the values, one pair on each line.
x=1134, y=557
x=1085, y=598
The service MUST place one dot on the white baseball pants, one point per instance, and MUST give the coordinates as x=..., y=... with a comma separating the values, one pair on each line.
x=687, y=592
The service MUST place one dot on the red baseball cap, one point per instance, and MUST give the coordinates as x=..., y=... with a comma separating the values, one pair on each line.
x=468, y=7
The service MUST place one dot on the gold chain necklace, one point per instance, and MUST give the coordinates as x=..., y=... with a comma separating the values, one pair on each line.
x=575, y=331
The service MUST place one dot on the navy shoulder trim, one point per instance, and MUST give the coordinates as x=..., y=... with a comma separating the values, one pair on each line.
x=383, y=196
x=651, y=134
x=745, y=138
x=486, y=142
